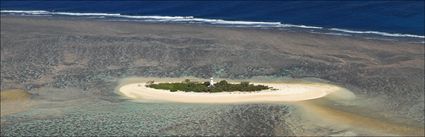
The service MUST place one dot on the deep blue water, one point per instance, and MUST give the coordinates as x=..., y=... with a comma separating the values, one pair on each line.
x=388, y=17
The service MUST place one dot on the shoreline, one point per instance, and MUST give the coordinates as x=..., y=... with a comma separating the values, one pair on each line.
x=287, y=92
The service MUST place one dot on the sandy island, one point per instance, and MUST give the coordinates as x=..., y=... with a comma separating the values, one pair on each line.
x=286, y=92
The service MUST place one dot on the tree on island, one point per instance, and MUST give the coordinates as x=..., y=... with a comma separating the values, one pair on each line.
x=186, y=81
x=222, y=86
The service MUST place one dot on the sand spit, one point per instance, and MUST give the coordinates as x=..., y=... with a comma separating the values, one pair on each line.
x=286, y=92
x=326, y=115
x=14, y=100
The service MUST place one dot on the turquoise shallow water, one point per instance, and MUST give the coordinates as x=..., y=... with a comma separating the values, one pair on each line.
x=102, y=118
x=113, y=115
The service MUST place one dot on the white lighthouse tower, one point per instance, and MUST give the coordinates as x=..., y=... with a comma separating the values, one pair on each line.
x=211, y=82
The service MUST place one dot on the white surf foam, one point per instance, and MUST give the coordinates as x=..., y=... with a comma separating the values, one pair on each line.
x=377, y=32
x=25, y=11
x=191, y=19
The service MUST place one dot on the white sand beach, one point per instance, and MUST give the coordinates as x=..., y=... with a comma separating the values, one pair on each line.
x=286, y=92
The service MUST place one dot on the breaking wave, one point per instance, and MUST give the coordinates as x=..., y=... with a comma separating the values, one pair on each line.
x=191, y=19
x=378, y=33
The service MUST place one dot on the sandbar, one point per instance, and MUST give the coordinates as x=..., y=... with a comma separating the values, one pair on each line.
x=286, y=92
x=14, y=101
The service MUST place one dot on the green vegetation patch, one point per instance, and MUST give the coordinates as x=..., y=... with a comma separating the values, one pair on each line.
x=222, y=86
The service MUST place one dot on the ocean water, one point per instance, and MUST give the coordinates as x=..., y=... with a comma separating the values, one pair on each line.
x=384, y=18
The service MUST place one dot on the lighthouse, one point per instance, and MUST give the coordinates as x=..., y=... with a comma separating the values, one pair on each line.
x=211, y=82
